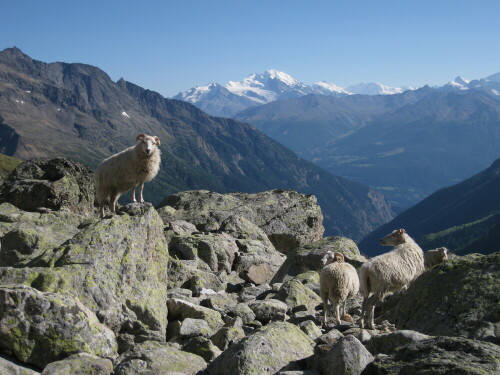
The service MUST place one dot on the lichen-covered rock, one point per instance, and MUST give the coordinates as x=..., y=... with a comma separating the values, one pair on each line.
x=243, y=311
x=56, y=184
x=217, y=250
x=308, y=257
x=439, y=355
x=117, y=267
x=40, y=328
x=27, y=235
x=153, y=357
x=288, y=218
x=266, y=351
x=330, y=338
x=310, y=329
x=194, y=327
x=269, y=310
x=347, y=357
x=456, y=298
x=388, y=343
x=241, y=228
x=294, y=294
x=80, y=364
x=227, y=336
x=180, y=310
x=10, y=368
x=194, y=275
x=203, y=347
x=221, y=302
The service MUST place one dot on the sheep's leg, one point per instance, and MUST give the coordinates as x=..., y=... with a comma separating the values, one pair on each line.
x=325, y=309
x=132, y=198
x=337, y=312
x=141, y=188
x=373, y=300
x=363, y=312
x=101, y=209
x=112, y=202
x=344, y=310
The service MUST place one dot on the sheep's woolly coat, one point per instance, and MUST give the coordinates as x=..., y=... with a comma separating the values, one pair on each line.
x=394, y=270
x=123, y=171
x=435, y=257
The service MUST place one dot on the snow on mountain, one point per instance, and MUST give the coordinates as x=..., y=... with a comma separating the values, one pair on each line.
x=374, y=88
x=326, y=88
x=489, y=84
x=494, y=77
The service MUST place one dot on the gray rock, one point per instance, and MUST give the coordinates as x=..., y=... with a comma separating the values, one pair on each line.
x=8, y=367
x=439, y=355
x=151, y=358
x=194, y=275
x=80, y=364
x=194, y=327
x=269, y=310
x=243, y=229
x=26, y=235
x=387, y=343
x=288, y=218
x=244, y=312
x=308, y=257
x=39, y=328
x=456, y=298
x=56, y=184
x=221, y=302
x=267, y=351
x=348, y=356
x=181, y=310
x=253, y=292
x=299, y=372
x=227, y=336
x=310, y=329
x=203, y=347
x=330, y=338
x=295, y=294
x=181, y=228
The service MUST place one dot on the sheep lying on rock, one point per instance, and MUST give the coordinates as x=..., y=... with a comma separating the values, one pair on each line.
x=338, y=282
x=389, y=272
x=127, y=169
x=435, y=257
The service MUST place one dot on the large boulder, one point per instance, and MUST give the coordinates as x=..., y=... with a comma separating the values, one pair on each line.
x=117, y=267
x=308, y=257
x=288, y=218
x=26, y=235
x=55, y=184
x=456, y=298
x=40, y=328
x=347, y=357
x=179, y=310
x=7, y=367
x=295, y=294
x=439, y=355
x=80, y=364
x=268, y=350
x=152, y=357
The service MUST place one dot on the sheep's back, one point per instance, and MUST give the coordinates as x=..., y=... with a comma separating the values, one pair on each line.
x=339, y=281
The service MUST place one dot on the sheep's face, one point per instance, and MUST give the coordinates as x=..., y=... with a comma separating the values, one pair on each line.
x=395, y=238
x=443, y=251
x=147, y=143
x=331, y=257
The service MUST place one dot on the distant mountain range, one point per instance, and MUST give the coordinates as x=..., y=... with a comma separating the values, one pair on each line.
x=464, y=217
x=408, y=145
x=256, y=89
x=76, y=110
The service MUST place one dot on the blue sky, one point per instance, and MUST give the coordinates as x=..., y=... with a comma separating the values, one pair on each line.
x=169, y=46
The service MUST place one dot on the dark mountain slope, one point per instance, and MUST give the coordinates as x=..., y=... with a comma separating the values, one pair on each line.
x=464, y=213
x=76, y=110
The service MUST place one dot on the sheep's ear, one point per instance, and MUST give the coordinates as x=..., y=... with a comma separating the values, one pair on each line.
x=140, y=137
x=326, y=257
x=401, y=231
x=157, y=140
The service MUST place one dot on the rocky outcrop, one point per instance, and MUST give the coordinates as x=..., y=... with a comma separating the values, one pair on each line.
x=288, y=218
x=456, y=298
x=439, y=355
x=53, y=184
x=80, y=364
x=117, y=267
x=8, y=367
x=40, y=328
x=308, y=257
x=266, y=351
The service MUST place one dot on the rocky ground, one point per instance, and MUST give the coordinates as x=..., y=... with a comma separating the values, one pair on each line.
x=213, y=284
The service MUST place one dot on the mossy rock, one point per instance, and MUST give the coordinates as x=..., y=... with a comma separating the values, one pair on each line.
x=294, y=294
x=80, y=364
x=40, y=328
x=266, y=351
x=459, y=297
x=152, y=357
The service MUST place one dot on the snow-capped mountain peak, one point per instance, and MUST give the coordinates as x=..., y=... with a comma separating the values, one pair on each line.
x=373, y=88
x=329, y=88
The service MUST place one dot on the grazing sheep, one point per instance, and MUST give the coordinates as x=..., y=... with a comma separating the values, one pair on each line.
x=436, y=256
x=127, y=169
x=338, y=282
x=389, y=272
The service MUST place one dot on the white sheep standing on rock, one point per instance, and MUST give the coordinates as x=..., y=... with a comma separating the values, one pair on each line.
x=338, y=282
x=389, y=272
x=435, y=257
x=127, y=169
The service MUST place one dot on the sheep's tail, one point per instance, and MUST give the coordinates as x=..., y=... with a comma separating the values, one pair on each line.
x=364, y=282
